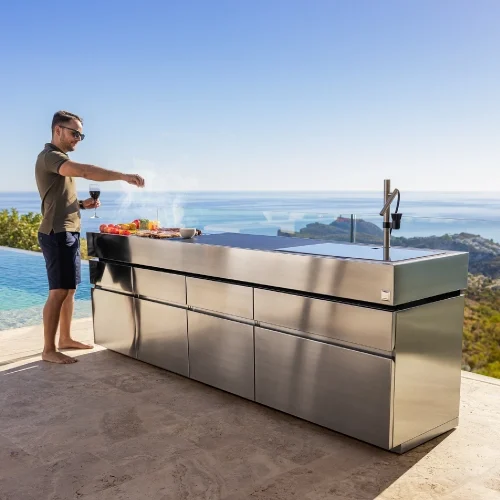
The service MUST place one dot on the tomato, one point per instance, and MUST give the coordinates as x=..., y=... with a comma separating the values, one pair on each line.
x=102, y=227
x=114, y=230
x=125, y=233
x=137, y=223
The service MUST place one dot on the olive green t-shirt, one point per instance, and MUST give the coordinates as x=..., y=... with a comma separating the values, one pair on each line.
x=60, y=208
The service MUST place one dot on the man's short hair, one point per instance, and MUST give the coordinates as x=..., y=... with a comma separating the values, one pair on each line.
x=64, y=117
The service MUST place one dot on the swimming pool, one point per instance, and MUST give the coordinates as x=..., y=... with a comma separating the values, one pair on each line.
x=24, y=288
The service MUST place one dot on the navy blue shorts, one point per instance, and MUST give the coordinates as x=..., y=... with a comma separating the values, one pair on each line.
x=62, y=259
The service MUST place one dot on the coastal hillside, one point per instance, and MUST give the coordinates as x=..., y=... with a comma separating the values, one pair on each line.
x=481, y=340
x=481, y=337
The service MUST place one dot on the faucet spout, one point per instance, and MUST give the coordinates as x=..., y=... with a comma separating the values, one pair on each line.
x=390, y=200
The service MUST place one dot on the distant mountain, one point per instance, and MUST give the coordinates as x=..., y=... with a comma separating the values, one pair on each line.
x=484, y=254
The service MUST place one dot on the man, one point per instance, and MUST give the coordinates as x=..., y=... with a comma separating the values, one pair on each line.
x=59, y=233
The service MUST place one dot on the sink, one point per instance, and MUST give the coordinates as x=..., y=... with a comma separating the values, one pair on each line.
x=364, y=252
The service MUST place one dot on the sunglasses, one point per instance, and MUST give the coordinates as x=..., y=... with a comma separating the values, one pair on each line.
x=76, y=134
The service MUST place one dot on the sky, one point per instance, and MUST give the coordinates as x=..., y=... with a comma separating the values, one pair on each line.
x=258, y=94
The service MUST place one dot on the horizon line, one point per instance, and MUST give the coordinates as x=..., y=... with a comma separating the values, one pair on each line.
x=272, y=191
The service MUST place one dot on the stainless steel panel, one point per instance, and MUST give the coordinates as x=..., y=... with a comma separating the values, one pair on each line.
x=428, y=367
x=435, y=276
x=159, y=285
x=352, y=279
x=162, y=336
x=111, y=276
x=221, y=353
x=358, y=325
x=114, y=324
x=220, y=297
x=344, y=390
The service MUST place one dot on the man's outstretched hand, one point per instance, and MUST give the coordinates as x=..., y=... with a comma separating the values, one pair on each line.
x=91, y=203
x=134, y=179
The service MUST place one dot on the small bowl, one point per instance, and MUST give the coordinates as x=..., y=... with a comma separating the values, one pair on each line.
x=187, y=232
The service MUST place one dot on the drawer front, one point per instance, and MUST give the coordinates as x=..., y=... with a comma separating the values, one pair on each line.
x=220, y=297
x=111, y=276
x=358, y=325
x=114, y=323
x=162, y=336
x=221, y=353
x=159, y=285
x=344, y=390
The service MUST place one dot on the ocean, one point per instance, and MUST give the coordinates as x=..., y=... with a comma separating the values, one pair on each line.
x=424, y=214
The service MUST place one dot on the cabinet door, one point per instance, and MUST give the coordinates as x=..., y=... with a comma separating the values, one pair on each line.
x=111, y=276
x=162, y=336
x=221, y=353
x=364, y=326
x=225, y=298
x=159, y=285
x=114, y=323
x=342, y=389
x=428, y=367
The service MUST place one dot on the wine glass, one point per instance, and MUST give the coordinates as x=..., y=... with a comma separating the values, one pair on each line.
x=95, y=192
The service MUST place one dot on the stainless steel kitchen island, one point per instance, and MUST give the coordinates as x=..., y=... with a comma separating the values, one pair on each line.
x=335, y=334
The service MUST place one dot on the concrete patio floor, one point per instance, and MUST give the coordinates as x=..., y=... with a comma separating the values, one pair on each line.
x=26, y=343
x=109, y=427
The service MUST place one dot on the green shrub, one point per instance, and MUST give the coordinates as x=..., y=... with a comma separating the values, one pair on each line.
x=83, y=249
x=21, y=231
x=491, y=370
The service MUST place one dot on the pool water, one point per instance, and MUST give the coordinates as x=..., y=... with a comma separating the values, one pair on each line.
x=24, y=289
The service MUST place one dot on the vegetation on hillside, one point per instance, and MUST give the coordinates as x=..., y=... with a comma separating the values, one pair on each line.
x=481, y=340
x=21, y=231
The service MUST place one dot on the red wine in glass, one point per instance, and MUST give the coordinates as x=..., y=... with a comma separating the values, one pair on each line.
x=95, y=192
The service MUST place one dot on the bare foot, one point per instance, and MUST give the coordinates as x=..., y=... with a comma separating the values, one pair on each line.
x=58, y=357
x=73, y=344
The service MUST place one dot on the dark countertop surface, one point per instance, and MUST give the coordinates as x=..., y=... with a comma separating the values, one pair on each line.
x=308, y=246
x=248, y=241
